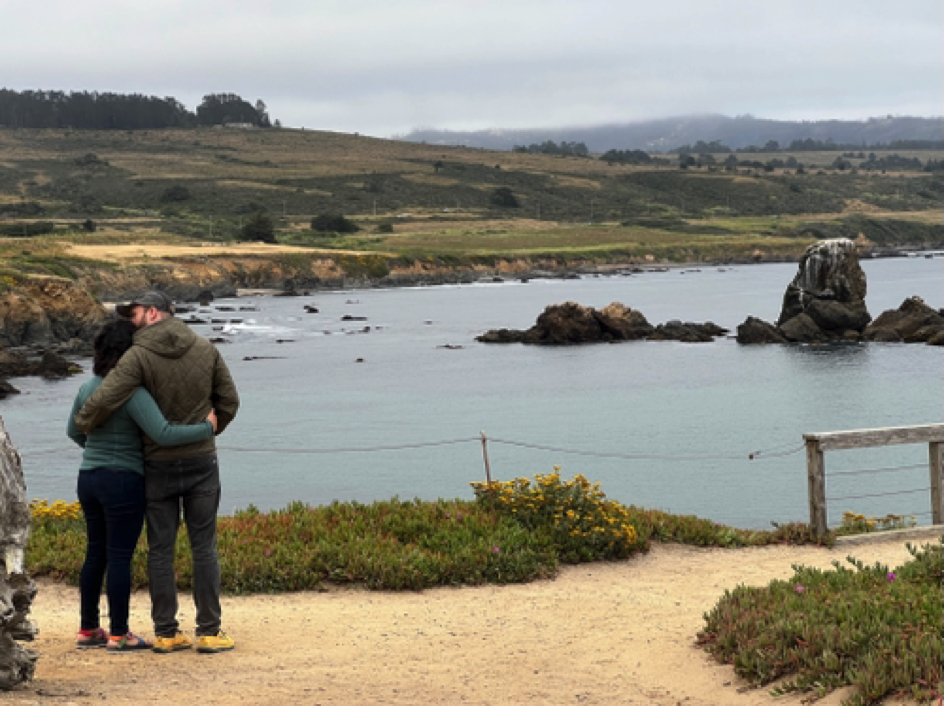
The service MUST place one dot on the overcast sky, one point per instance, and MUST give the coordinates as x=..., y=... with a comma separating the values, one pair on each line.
x=383, y=67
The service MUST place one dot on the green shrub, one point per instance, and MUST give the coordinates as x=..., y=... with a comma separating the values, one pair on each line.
x=575, y=516
x=259, y=227
x=333, y=223
x=503, y=197
x=874, y=629
x=860, y=524
x=175, y=194
x=27, y=229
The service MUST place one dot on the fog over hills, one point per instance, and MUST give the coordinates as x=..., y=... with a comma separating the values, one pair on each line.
x=669, y=133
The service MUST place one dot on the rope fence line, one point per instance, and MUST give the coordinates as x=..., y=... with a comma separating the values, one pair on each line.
x=882, y=495
x=645, y=457
x=754, y=455
x=352, y=449
x=888, y=469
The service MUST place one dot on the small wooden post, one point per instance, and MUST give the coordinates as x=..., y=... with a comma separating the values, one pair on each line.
x=488, y=471
x=816, y=479
x=936, y=466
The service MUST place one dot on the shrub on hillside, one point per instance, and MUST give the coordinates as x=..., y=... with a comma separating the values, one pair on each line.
x=259, y=227
x=175, y=194
x=333, y=223
x=504, y=198
x=25, y=230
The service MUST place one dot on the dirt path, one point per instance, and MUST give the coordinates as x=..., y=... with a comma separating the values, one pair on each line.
x=619, y=633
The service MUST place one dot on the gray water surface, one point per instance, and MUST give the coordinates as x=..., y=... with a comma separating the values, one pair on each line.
x=659, y=424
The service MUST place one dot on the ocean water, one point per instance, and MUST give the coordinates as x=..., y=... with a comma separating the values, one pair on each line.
x=395, y=404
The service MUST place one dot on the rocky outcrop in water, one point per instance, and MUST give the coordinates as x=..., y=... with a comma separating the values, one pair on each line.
x=826, y=299
x=17, y=590
x=824, y=302
x=570, y=323
x=755, y=330
x=912, y=322
x=46, y=364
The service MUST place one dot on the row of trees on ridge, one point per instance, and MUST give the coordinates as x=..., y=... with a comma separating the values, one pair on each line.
x=114, y=111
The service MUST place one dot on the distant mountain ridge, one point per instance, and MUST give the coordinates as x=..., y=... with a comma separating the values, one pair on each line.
x=670, y=133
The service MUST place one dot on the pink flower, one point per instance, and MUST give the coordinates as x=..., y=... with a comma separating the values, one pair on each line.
x=495, y=550
x=890, y=576
x=268, y=552
x=798, y=588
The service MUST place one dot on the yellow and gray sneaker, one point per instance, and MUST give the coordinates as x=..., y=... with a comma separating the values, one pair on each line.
x=221, y=642
x=165, y=645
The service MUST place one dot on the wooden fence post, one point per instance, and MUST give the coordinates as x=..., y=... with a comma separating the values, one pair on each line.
x=936, y=466
x=816, y=479
x=488, y=470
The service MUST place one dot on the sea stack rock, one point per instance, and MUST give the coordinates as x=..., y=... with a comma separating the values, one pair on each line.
x=17, y=590
x=826, y=300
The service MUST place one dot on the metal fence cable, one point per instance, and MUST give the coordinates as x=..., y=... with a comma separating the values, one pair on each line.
x=878, y=470
x=643, y=457
x=360, y=449
x=881, y=495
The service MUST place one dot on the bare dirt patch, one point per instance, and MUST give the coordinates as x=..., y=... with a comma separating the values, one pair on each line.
x=130, y=253
x=598, y=634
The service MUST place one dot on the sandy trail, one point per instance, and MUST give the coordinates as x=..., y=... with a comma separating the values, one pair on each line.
x=620, y=633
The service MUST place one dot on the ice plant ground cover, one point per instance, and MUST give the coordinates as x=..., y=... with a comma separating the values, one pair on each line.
x=873, y=627
x=414, y=544
x=869, y=627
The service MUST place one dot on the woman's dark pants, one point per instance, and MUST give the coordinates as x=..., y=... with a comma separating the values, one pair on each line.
x=113, y=504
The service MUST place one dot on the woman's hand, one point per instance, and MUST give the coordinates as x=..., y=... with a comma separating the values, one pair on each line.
x=211, y=418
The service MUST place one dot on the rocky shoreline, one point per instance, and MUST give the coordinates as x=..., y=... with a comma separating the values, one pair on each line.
x=46, y=319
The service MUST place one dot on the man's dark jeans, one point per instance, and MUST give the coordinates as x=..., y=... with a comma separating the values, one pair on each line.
x=191, y=485
x=113, y=504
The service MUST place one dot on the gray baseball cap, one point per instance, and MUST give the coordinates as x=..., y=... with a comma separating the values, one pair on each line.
x=153, y=297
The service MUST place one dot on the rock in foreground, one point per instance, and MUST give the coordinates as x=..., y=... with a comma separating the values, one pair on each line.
x=17, y=590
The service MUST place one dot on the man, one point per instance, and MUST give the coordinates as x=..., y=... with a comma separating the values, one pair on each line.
x=187, y=377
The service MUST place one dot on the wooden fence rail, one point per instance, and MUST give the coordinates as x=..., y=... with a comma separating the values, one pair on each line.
x=817, y=444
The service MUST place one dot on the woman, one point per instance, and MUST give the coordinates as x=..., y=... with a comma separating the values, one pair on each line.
x=111, y=492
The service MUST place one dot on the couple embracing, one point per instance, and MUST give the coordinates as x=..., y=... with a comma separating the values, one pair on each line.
x=146, y=421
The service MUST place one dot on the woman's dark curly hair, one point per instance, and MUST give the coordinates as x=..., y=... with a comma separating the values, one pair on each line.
x=110, y=344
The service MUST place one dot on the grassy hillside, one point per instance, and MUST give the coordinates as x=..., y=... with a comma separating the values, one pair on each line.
x=414, y=200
